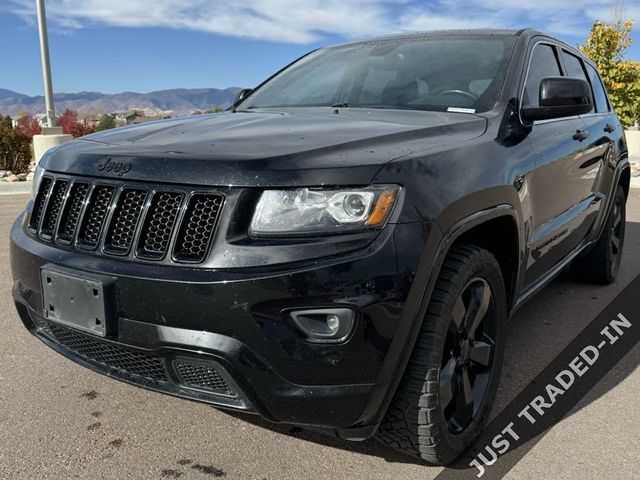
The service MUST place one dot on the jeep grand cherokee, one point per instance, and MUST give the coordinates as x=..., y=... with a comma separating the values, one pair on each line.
x=342, y=248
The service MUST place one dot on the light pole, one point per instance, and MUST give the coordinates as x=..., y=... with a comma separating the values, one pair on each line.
x=52, y=135
x=46, y=64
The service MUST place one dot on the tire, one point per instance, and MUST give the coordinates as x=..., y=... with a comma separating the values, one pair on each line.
x=422, y=420
x=602, y=263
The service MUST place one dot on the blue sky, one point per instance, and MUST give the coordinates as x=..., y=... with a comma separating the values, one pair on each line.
x=144, y=45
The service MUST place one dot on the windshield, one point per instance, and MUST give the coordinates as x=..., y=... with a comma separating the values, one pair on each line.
x=462, y=74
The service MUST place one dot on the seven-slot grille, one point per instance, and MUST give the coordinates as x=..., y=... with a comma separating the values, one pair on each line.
x=124, y=220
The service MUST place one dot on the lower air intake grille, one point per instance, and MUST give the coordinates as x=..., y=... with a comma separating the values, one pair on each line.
x=202, y=376
x=116, y=358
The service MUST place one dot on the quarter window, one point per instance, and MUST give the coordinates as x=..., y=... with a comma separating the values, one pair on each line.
x=599, y=96
x=544, y=63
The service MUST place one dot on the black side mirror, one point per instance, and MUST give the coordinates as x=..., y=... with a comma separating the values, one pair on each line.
x=560, y=97
x=241, y=95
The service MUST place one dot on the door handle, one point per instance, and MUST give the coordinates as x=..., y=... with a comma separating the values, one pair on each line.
x=580, y=135
x=609, y=128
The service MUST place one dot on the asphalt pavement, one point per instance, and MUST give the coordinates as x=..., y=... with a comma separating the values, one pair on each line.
x=61, y=421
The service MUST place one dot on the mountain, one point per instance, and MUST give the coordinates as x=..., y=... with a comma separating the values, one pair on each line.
x=5, y=94
x=93, y=104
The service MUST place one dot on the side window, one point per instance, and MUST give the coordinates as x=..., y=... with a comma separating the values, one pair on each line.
x=544, y=63
x=574, y=67
x=599, y=96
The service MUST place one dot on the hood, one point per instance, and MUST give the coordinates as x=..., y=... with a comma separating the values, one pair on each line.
x=264, y=148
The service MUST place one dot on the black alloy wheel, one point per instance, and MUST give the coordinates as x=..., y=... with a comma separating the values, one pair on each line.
x=446, y=393
x=468, y=355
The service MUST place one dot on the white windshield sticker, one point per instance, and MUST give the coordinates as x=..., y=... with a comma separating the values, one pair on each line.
x=461, y=110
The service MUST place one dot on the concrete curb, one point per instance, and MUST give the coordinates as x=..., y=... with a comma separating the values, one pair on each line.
x=15, y=188
x=635, y=170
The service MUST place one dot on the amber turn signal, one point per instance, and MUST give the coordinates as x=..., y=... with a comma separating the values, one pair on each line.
x=382, y=208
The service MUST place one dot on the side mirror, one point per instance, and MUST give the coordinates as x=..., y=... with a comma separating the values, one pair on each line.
x=241, y=95
x=560, y=97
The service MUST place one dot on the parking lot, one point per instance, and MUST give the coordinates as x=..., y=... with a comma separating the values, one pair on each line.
x=59, y=421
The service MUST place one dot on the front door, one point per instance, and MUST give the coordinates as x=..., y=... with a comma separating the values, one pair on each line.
x=563, y=204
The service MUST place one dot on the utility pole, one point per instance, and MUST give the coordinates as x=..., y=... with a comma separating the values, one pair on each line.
x=52, y=135
x=46, y=64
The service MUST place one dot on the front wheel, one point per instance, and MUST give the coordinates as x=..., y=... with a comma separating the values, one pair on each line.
x=447, y=390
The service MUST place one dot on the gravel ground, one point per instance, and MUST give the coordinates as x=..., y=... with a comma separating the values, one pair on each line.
x=59, y=421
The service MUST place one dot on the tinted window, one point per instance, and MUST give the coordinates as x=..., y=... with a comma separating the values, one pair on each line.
x=599, y=96
x=435, y=73
x=543, y=64
x=574, y=66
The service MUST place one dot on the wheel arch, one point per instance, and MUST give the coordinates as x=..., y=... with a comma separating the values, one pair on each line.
x=625, y=179
x=499, y=235
x=470, y=227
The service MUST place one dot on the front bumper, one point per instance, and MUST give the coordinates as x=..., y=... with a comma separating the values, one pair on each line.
x=231, y=329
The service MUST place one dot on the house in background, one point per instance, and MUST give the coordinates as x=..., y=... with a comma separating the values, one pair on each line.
x=134, y=118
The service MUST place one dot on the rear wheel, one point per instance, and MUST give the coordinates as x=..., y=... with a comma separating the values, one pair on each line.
x=447, y=390
x=602, y=263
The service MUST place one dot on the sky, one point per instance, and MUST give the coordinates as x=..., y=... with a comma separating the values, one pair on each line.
x=145, y=45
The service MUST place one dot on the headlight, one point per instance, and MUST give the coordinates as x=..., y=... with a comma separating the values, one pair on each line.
x=37, y=179
x=309, y=211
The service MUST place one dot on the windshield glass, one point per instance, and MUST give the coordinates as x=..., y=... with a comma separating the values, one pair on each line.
x=439, y=73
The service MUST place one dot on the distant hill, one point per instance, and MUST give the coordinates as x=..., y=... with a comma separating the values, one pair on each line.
x=89, y=104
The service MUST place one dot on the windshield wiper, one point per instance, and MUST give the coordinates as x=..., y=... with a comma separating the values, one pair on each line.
x=341, y=105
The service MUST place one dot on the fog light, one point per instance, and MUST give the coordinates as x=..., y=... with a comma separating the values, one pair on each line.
x=324, y=325
x=333, y=322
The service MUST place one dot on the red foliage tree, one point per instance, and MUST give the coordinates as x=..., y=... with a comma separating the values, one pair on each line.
x=72, y=126
x=29, y=126
x=68, y=120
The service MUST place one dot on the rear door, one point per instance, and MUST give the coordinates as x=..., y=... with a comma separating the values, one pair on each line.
x=560, y=187
x=600, y=123
x=604, y=131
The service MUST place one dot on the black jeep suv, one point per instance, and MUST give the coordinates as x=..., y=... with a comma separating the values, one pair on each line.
x=341, y=249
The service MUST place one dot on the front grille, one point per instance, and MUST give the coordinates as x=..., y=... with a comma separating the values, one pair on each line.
x=201, y=376
x=125, y=220
x=197, y=228
x=157, y=224
x=39, y=204
x=95, y=216
x=111, y=356
x=72, y=211
x=54, y=207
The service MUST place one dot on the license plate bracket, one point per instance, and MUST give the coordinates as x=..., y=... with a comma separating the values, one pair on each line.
x=74, y=301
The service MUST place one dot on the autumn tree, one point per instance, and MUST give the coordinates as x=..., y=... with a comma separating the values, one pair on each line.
x=6, y=121
x=29, y=126
x=15, y=148
x=106, y=122
x=72, y=126
x=68, y=121
x=606, y=46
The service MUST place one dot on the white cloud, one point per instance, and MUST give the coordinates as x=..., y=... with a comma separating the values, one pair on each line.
x=296, y=21
x=304, y=21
